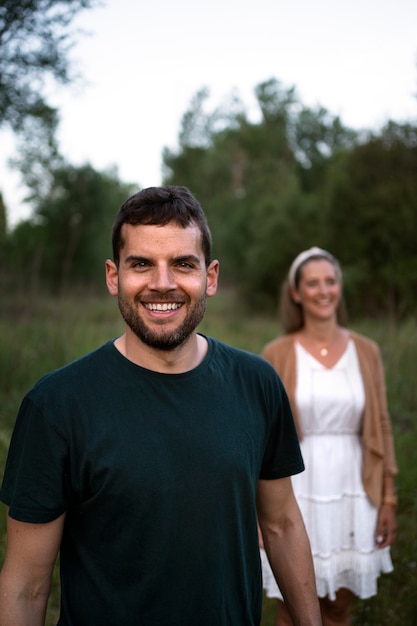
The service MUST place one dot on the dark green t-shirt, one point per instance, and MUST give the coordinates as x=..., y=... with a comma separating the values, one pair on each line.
x=157, y=474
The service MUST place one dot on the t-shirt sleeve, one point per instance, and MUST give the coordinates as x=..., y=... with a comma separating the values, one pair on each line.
x=37, y=468
x=282, y=453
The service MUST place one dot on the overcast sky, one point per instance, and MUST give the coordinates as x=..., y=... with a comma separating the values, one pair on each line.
x=143, y=61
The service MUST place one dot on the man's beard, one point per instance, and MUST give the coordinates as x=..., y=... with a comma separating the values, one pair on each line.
x=168, y=340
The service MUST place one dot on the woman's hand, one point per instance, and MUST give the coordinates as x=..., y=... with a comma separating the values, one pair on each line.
x=386, y=528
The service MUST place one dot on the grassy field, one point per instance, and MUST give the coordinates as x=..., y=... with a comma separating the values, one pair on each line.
x=38, y=335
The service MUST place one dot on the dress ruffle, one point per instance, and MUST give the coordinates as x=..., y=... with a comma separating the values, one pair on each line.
x=347, y=569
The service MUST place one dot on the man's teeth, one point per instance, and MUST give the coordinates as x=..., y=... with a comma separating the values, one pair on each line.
x=166, y=306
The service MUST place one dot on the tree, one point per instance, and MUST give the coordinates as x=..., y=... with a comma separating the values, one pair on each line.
x=258, y=181
x=3, y=239
x=66, y=242
x=34, y=42
x=38, y=153
x=3, y=223
x=371, y=203
x=317, y=137
x=76, y=217
x=24, y=259
x=298, y=178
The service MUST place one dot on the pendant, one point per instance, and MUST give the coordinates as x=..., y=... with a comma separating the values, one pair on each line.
x=324, y=352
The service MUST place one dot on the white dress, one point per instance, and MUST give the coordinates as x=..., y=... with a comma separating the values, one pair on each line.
x=338, y=515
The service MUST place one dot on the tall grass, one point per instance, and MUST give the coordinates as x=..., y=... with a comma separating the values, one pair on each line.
x=42, y=334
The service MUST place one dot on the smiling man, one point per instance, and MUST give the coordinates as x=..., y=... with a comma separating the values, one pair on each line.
x=162, y=280
x=147, y=463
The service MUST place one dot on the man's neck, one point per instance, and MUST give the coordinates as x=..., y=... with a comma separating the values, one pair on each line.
x=181, y=359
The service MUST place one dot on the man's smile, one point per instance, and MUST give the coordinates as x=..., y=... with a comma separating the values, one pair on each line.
x=165, y=306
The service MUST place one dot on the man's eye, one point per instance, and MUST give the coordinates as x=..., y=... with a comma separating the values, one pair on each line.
x=184, y=265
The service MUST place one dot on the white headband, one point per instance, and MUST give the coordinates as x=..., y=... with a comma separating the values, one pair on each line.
x=303, y=257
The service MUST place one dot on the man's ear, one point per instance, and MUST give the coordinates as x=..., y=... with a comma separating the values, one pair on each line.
x=112, y=278
x=212, y=278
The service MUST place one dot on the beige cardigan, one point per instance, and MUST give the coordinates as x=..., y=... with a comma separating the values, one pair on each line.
x=379, y=455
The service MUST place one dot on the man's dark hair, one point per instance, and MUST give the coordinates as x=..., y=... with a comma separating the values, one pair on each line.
x=160, y=206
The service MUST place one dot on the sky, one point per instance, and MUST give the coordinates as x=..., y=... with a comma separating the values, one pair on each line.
x=142, y=62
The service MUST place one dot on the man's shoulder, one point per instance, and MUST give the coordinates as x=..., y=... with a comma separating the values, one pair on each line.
x=233, y=352
x=239, y=359
x=79, y=368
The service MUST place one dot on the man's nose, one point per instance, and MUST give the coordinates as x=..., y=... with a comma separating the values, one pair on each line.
x=162, y=278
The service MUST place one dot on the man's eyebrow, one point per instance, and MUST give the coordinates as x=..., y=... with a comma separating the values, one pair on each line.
x=182, y=258
x=187, y=258
x=133, y=258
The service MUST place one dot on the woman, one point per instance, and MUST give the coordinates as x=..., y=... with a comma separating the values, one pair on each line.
x=335, y=382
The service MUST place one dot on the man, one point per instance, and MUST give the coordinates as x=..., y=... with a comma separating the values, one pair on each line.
x=142, y=462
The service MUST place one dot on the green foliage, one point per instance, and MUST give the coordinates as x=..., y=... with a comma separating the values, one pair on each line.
x=255, y=181
x=371, y=213
x=21, y=271
x=34, y=43
x=296, y=178
x=3, y=221
x=67, y=241
x=38, y=154
x=3, y=237
x=317, y=137
x=41, y=334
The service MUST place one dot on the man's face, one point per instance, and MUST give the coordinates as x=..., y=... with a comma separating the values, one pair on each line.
x=162, y=282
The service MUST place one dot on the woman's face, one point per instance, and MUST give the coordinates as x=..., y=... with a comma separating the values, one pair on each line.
x=319, y=289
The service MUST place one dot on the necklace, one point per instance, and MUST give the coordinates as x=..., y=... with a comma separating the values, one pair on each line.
x=310, y=343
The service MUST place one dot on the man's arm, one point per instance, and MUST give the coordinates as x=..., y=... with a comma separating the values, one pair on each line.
x=288, y=549
x=25, y=579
